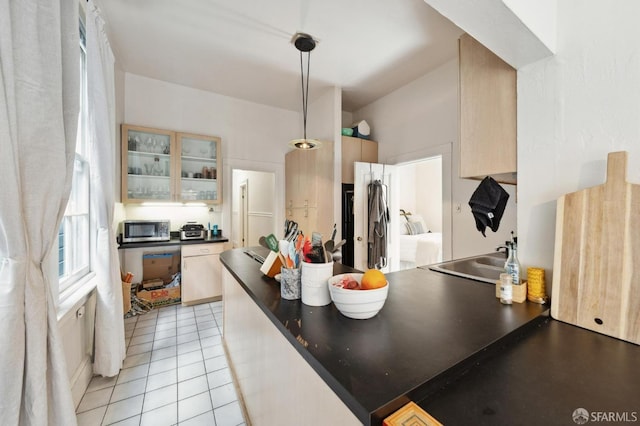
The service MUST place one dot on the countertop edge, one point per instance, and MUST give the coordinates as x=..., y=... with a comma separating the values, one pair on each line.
x=172, y=242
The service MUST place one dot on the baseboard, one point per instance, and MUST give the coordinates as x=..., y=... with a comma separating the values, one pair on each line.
x=236, y=384
x=80, y=381
x=201, y=301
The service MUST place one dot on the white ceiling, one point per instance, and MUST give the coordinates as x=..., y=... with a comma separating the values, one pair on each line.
x=242, y=48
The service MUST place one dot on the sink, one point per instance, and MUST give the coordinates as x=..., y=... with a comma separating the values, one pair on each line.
x=491, y=260
x=486, y=268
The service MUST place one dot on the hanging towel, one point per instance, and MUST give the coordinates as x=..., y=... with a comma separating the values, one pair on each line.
x=378, y=220
x=487, y=204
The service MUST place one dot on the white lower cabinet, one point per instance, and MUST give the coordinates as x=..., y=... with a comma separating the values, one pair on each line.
x=270, y=372
x=201, y=273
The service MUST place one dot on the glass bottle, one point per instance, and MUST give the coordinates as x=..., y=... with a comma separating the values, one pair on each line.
x=156, y=169
x=512, y=266
x=508, y=246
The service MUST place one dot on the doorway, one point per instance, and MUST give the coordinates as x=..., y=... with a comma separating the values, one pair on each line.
x=444, y=152
x=421, y=225
x=243, y=221
x=253, y=212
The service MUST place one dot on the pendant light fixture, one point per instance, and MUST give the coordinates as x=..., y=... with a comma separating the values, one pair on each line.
x=305, y=44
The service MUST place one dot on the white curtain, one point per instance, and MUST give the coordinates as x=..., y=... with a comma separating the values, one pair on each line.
x=110, y=347
x=39, y=99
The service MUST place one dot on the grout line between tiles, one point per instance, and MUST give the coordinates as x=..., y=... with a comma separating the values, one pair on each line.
x=195, y=316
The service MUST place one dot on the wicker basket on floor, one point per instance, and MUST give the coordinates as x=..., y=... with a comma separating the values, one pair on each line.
x=126, y=297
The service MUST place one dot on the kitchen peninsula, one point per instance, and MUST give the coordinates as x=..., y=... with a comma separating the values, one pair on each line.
x=443, y=342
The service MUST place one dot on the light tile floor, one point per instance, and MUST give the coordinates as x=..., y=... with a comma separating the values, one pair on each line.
x=175, y=373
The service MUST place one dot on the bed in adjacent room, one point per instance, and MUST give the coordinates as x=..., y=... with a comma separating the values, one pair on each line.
x=418, y=245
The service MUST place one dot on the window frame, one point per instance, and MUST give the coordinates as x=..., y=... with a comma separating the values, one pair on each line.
x=78, y=212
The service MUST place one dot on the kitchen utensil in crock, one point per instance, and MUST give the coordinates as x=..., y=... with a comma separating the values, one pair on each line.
x=340, y=244
x=263, y=242
x=333, y=234
x=329, y=246
x=272, y=242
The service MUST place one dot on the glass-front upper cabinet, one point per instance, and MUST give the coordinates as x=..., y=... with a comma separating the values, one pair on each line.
x=166, y=166
x=199, y=165
x=147, y=166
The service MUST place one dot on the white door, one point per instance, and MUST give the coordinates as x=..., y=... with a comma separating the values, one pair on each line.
x=244, y=214
x=365, y=173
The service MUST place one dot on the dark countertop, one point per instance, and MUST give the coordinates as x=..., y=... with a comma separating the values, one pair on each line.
x=541, y=378
x=431, y=327
x=172, y=242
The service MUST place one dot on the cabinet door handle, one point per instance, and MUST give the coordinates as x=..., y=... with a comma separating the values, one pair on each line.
x=202, y=250
x=359, y=238
x=184, y=264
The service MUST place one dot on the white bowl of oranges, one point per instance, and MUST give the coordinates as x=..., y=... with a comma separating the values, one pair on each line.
x=359, y=296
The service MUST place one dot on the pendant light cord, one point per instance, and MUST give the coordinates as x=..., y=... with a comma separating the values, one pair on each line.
x=305, y=92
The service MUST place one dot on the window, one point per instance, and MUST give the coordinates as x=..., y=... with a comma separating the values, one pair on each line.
x=74, y=261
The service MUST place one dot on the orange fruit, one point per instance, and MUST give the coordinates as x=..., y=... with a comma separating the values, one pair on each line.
x=373, y=279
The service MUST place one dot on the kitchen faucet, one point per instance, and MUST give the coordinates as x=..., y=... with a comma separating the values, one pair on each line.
x=506, y=250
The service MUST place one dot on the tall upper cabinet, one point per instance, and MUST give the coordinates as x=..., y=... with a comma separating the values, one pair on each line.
x=162, y=165
x=487, y=114
x=309, y=188
x=356, y=149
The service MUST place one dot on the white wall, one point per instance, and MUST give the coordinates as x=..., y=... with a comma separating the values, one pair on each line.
x=428, y=192
x=407, y=179
x=321, y=116
x=421, y=194
x=324, y=122
x=573, y=109
x=250, y=133
x=539, y=17
x=347, y=119
x=424, y=114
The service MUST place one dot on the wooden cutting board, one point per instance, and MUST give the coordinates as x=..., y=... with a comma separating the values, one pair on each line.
x=596, y=273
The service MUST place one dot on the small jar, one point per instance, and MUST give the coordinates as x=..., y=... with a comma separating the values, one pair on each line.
x=506, y=289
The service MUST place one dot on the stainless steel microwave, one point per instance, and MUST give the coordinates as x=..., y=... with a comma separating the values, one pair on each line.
x=136, y=231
